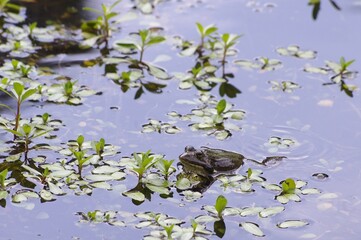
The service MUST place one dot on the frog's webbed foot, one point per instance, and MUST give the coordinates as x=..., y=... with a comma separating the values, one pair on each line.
x=272, y=161
x=269, y=161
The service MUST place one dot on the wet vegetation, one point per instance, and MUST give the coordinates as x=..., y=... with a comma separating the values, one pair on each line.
x=46, y=156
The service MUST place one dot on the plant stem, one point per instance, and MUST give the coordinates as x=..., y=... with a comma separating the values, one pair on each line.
x=141, y=54
x=80, y=168
x=17, y=117
x=26, y=149
x=224, y=62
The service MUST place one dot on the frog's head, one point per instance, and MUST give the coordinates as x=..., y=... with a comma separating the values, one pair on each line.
x=194, y=159
x=192, y=155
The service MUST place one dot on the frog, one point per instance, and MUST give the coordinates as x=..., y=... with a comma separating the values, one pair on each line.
x=209, y=162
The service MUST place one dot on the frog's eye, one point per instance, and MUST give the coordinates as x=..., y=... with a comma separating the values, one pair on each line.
x=190, y=149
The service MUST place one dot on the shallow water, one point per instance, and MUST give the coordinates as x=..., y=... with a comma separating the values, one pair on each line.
x=324, y=122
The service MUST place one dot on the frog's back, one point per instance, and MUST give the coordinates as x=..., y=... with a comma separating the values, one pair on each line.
x=223, y=160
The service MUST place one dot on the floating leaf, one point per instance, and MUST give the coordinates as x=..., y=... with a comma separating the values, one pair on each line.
x=292, y=224
x=252, y=228
x=99, y=177
x=102, y=185
x=136, y=195
x=3, y=195
x=251, y=211
x=183, y=183
x=158, y=72
x=46, y=195
x=316, y=70
x=61, y=173
x=104, y=170
x=231, y=211
x=267, y=212
x=205, y=219
x=189, y=51
x=310, y=191
x=53, y=188
x=295, y=51
x=22, y=196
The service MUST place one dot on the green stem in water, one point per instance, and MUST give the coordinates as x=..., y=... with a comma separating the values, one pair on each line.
x=17, y=117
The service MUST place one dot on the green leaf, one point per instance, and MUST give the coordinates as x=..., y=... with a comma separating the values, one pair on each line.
x=32, y=26
x=111, y=15
x=127, y=45
x=80, y=140
x=249, y=173
x=3, y=175
x=221, y=106
x=225, y=37
x=288, y=186
x=19, y=88
x=220, y=205
x=200, y=29
x=28, y=93
x=143, y=35
x=14, y=132
x=210, y=30
x=155, y=40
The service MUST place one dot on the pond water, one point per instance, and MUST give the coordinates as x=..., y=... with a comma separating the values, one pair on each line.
x=288, y=86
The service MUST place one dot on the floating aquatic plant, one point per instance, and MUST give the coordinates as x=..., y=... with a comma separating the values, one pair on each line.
x=284, y=86
x=134, y=77
x=158, y=126
x=18, y=93
x=213, y=117
x=212, y=46
x=242, y=183
x=339, y=74
x=97, y=216
x=295, y=51
x=275, y=143
x=290, y=190
x=203, y=78
x=10, y=12
x=207, y=33
x=262, y=63
x=99, y=30
x=68, y=92
x=15, y=70
x=153, y=172
x=138, y=43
